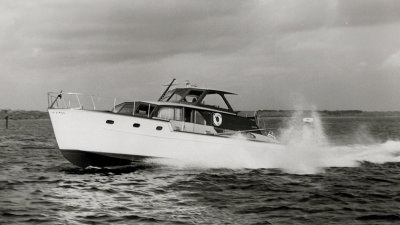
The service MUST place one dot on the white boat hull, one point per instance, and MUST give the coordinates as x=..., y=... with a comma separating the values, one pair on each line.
x=85, y=138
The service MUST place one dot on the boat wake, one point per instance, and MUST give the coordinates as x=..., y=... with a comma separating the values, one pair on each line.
x=305, y=149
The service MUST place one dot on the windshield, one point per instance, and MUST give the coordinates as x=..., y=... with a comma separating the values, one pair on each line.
x=176, y=97
x=167, y=96
x=214, y=100
x=173, y=96
x=193, y=96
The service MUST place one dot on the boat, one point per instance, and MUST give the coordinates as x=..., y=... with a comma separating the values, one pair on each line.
x=182, y=122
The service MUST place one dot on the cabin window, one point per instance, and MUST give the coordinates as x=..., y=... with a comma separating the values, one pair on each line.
x=215, y=100
x=194, y=116
x=198, y=118
x=170, y=113
x=127, y=109
x=144, y=109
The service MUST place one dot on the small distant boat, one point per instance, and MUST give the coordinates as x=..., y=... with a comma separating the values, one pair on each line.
x=183, y=121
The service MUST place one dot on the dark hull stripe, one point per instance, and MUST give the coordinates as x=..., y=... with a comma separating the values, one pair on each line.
x=85, y=159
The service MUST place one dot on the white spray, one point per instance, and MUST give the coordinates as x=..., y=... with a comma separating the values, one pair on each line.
x=304, y=149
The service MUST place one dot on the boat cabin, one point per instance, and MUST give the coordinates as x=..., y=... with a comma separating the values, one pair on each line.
x=191, y=109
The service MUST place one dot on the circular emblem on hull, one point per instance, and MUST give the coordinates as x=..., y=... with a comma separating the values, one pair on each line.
x=217, y=119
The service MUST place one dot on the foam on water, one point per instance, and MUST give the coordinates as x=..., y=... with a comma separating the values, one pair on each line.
x=304, y=149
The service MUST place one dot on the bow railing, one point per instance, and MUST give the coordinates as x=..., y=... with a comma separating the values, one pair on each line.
x=71, y=100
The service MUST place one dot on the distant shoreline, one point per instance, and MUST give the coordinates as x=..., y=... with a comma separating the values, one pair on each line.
x=23, y=114
x=35, y=114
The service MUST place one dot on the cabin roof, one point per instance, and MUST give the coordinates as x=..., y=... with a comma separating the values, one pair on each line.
x=211, y=90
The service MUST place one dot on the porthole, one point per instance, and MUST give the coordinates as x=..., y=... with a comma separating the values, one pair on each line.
x=159, y=128
x=137, y=125
x=110, y=121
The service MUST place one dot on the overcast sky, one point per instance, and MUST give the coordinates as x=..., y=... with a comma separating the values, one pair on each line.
x=336, y=54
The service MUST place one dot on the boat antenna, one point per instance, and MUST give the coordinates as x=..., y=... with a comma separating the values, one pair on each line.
x=166, y=90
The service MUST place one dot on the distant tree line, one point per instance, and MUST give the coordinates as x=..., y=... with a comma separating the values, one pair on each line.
x=23, y=114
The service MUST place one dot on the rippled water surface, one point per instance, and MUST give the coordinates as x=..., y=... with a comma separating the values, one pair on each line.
x=352, y=177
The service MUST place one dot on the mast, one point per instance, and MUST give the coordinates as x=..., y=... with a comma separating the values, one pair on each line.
x=166, y=90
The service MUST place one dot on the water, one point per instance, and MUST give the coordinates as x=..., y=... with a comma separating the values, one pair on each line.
x=338, y=170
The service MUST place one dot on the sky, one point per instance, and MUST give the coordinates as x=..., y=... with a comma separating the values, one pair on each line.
x=276, y=54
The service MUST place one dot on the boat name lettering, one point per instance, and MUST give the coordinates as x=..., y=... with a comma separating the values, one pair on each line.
x=58, y=112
